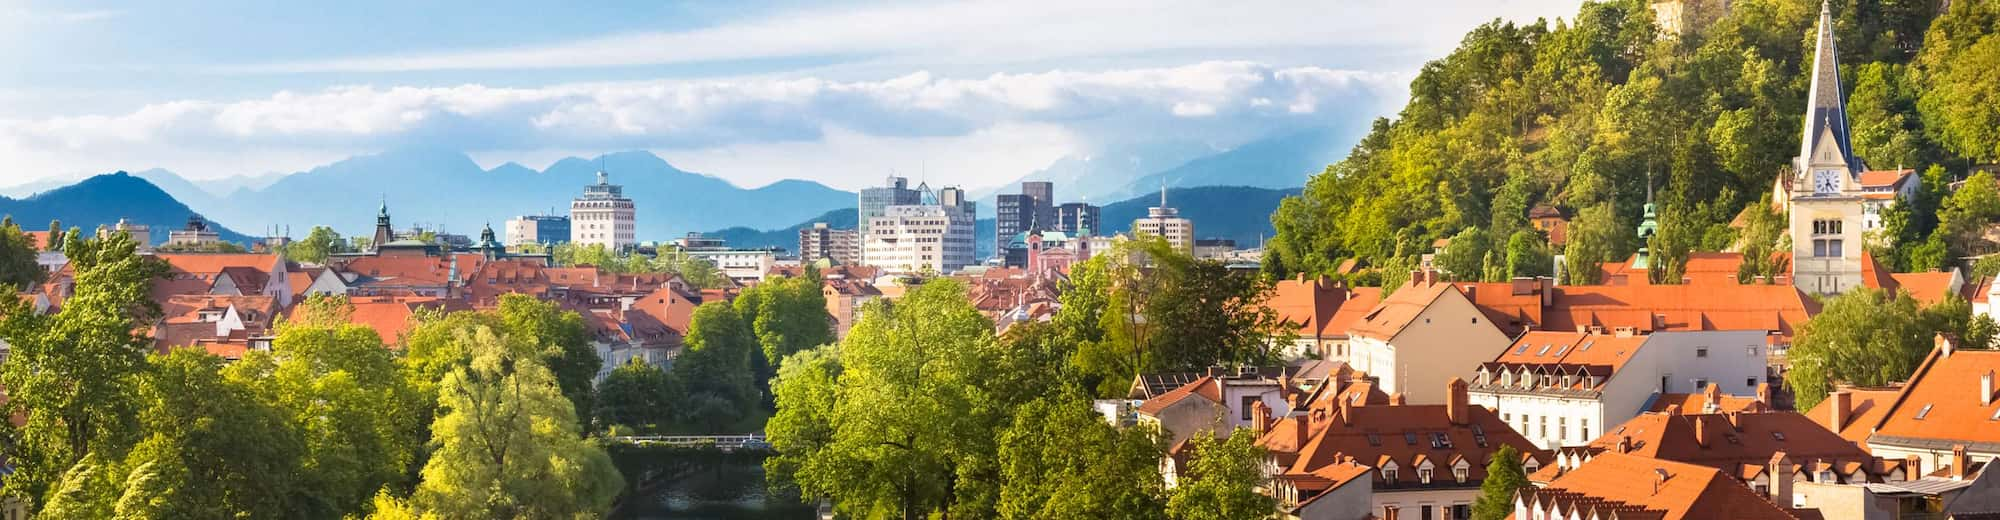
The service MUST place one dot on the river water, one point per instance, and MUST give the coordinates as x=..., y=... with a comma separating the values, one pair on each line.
x=730, y=491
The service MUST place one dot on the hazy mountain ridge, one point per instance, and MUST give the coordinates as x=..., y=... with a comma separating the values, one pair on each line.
x=102, y=200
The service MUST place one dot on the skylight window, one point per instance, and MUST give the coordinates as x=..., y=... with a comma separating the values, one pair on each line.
x=1996, y=415
x=1544, y=350
x=1778, y=435
x=1586, y=345
x=1561, y=351
x=1410, y=437
x=1374, y=440
x=1924, y=412
x=1522, y=350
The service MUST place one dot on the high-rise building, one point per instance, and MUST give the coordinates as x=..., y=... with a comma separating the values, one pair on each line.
x=935, y=236
x=821, y=241
x=537, y=229
x=603, y=216
x=1826, y=198
x=874, y=201
x=1016, y=214
x=1078, y=219
x=1164, y=221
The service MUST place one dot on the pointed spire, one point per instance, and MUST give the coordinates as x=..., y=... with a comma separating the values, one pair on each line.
x=1826, y=112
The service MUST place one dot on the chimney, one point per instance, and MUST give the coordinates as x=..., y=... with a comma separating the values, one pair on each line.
x=1913, y=468
x=1764, y=396
x=1780, y=477
x=1624, y=444
x=1303, y=426
x=1700, y=423
x=1396, y=399
x=1456, y=405
x=1659, y=479
x=1260, y=417
x=1302, y=278
x=1712, y=398
x=1944, y=344
x=1986, y=388
x=1417, y=277
x=1842, y=403
x=1346, y=412
x=1959, y=461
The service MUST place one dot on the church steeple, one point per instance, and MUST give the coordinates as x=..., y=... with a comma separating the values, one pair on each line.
x=383, y=231
x=1826, y=113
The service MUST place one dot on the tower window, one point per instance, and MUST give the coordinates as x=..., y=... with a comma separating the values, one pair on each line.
x=1827, y=248
x=1826, y=227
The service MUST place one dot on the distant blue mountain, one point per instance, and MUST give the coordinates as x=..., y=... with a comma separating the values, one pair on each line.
x=1280, y=162
x=104, y=199
x=446, y=189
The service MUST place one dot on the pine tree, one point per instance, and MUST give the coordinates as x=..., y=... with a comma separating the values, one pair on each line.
x=1504, y=476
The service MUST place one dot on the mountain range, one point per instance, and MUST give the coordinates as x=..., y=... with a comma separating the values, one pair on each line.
x=444, y=189
x=102, y=201
x=1123, y=172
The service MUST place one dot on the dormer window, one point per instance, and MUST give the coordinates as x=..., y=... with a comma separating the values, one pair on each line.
x=1389, y=473
x=1460, y=472
x=1424, y=475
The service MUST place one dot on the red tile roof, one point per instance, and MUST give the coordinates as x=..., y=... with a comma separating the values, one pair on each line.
x=1884, y=178
x=390, y=316
x=1395, y=312
x=1571, y=353
x=1729, y=441
x=1320, y=308
x=1928, y=288
x=1408, y=435
x=1640, y=487
x=1205, y=387
x=1865, y=409
x=1945, y=392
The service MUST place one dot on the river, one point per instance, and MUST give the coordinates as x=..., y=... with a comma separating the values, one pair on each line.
x=729, y=491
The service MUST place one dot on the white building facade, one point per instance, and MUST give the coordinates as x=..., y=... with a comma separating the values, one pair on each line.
x=1564, y=389
x=741, y=265
x=914, y=239
x=603, y=216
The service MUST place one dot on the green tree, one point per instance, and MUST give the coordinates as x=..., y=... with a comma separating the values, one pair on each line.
x=911, y=429
x=1059, y=460
x=1528, y=255
x=636, y=395
x=1967, y=212
x=320, y=243
x=787, y=314
x=1504, y=477
x=214, y=449
x=1216, y=315
x=1864, y=337
x=1462, y=259
x=342, y=391
x=18, y=253
x=1222, y=479
x=1594, y=238
x=508, y=445
x=562, y=339
x=714, y=374
x=73, y=373
x=55, y=239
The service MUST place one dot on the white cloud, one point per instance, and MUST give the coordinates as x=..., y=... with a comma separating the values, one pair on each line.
x=988, y=31
x=763, y=124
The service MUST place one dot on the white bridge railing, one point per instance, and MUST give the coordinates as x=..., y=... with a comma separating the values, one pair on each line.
x=727, y=442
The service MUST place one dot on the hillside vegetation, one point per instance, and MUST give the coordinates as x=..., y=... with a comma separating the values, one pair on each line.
x=1587, y=114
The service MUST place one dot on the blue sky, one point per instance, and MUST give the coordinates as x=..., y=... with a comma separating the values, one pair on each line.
x=835, y=92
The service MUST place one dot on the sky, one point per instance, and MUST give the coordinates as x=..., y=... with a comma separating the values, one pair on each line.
x=969, y=92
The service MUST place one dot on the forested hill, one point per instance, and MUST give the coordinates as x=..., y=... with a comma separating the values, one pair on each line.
x=1583, y=113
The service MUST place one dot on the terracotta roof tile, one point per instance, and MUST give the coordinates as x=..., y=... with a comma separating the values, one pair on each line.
x=1866, y=407
x=1928, y=288
x=1728, y=441
x=1319, y=308
x=1205, y=387
x=1676, y=490
x=1945, y=392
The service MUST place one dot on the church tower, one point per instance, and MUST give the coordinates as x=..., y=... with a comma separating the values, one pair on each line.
x=1826, y=202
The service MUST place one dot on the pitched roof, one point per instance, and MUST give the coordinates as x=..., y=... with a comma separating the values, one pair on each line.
x=1320, y=308
x=1204, y=387
x=214, y=263
x=1647, y=308
x=1729, y=441
x=1399, y=309
x=1928, y=288
x=1945, y=393
x=390, y=316
x=1674, y=490
x=1599, y=355
x=1408, y=435
x=1885, y=178
x=1866, y=407
x=1726, y=403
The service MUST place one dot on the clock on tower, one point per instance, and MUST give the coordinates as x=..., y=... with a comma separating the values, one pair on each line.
x=1826, y=181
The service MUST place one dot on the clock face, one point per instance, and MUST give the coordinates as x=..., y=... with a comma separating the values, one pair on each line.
x=1826, y=181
